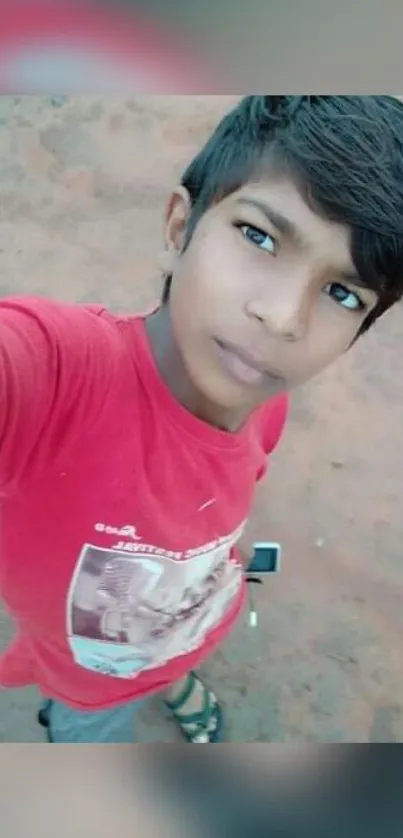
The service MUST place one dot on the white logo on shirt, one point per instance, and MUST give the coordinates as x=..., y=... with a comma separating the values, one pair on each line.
x=128, y=531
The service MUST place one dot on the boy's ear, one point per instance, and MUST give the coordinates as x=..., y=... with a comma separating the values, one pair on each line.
x=177, y=215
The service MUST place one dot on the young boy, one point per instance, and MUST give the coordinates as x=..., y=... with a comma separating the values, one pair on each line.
x=131, y=446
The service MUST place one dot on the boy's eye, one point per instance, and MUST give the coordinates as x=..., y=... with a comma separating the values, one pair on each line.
x=258, y=237
x=344, y=297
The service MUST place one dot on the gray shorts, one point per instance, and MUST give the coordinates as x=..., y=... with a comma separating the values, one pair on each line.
x=89, y=726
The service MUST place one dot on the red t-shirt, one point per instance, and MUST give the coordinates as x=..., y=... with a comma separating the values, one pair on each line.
x=119, y=508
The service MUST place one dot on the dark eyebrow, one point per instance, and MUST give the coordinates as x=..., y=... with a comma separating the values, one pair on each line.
x=282, y=224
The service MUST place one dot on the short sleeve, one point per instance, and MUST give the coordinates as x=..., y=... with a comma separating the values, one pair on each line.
x=272, y=420
x=56, y=362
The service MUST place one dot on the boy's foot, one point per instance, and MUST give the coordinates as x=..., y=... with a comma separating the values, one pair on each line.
x=44, y=718
x=193, y=706
x=196, y=710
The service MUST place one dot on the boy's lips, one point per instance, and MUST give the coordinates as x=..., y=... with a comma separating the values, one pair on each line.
x=242, y=365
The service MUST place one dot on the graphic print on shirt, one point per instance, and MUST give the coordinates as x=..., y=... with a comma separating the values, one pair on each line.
x=132, y=611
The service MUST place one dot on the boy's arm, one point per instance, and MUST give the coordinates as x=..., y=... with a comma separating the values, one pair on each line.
x=245, y=549
x=272, y=421
x=245, y=545
x=54, y=360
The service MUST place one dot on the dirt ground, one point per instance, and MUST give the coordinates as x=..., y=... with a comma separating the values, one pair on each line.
x=82, y=188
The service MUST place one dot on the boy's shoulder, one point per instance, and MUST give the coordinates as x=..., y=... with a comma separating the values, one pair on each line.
x=64, y=325
x=271, y=419
x=57, y=360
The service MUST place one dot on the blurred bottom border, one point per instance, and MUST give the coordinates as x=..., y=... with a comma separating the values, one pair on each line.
x=239, y=790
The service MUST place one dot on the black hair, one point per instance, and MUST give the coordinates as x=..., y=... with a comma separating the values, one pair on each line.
x=345, y=154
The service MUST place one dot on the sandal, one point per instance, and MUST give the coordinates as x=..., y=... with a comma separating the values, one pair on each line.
x=206, y=723
x=43, y=718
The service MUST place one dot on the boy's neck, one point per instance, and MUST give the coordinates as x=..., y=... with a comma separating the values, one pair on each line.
x=173, y=372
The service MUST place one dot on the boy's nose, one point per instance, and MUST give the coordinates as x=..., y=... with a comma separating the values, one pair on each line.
x=284, y=315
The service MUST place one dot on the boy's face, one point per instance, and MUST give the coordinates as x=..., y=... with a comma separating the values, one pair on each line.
x=265, y=295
